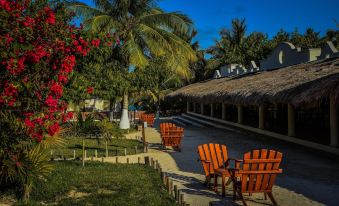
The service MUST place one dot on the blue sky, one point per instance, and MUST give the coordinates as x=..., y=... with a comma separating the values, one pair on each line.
x=266, y=16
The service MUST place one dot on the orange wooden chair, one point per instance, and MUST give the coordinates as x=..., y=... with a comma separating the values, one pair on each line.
x=164, y=129
x=258, y=174
x=215, y=162
x=149, y=118
x=172, y=137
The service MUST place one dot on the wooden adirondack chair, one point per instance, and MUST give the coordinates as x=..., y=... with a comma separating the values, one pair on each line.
x=215, y=162
x=258, y=174
x=164, y=126
x=149, y=118
x=172, y=137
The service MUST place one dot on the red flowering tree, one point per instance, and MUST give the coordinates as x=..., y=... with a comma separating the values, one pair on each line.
x=38, y=55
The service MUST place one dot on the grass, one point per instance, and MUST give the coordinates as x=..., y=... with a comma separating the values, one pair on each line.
x=101, y=184
x=115, y=147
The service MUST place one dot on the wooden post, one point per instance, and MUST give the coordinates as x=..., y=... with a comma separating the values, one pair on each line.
x=106, y=149
x=143, y=136
x=261, y=117
x=291, y=120
x=170, y=186
x=212, y=110
x=139, y=160
x=136, y=149
x=181, y=198
x=176, y=192
x=202, y=108
x=240, y=114
x=194, y=107
x=125, y=151
x=223, y=111
x=117, y=159
x=96, y=153
x=52, y=157
x=83, y=152
x=74, y=154
x=187, y=106
x=147, y=160
x=127, y=160
x=334, y=122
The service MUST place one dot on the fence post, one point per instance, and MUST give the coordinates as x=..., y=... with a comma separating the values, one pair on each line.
x=106, y=150
x=139, y=160
x=147, y=161
x=96, y=153
x=176, y=192
x=74, y=154
x=181, y=199
x=125, y=151
x=127, y=161
x=116, y=159
x=136, y=149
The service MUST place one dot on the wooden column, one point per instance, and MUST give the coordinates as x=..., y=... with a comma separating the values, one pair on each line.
x=240, y=114
x=194, y=107
x=212, y=110
x=261, y=117
x=187, y=106
x=223, y=111
x=334, y=122
x=202, y=108
x=291, y=120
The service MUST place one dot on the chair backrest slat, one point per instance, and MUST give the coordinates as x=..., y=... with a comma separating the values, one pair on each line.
x=203, y=159
x=213, y=156
x=254, y=166
x=208, y=157
x=260, y=168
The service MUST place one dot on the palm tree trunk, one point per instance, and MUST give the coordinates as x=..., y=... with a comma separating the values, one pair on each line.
x=124, y=120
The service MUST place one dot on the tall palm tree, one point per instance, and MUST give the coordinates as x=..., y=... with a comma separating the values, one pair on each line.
x=144, y=31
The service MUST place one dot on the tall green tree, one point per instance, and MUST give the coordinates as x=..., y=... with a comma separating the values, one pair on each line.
x=237, y=47
x=143, y=31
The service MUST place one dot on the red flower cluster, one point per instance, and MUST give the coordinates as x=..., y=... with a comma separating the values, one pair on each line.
x=38, y=54
x=90, y=90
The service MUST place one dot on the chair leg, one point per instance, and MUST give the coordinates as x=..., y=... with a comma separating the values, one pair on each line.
x=229, y=181
x=223, y=185
x=216, y=183
x=242, y=199
x=265, y=195
x=270, y=195
x=234, y=191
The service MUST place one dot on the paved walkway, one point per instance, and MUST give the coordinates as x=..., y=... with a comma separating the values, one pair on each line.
x=309, y=177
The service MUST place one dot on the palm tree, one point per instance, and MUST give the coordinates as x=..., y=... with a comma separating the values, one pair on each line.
x=143, y=30
x=235, y=47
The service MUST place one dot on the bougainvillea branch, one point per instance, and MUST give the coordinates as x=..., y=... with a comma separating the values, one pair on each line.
x=39, y=50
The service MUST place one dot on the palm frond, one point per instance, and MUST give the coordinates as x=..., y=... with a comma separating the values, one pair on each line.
x=136, y=55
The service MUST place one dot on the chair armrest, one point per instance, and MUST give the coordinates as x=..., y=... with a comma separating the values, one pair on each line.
x=236, y=160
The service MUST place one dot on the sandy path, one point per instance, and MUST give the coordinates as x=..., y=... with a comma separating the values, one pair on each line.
x=308, y=179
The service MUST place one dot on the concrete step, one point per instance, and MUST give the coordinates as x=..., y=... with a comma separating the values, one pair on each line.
x=209, y=123
x=179, y=122
x=188, y=121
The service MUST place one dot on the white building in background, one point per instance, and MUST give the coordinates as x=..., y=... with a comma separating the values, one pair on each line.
x=285, y=54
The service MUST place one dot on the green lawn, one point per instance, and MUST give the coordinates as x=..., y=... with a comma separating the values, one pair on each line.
x=115, y=147
x=101, y=184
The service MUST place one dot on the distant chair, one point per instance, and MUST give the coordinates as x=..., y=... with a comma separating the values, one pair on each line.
x=171, y=135
x=215, y=162
x=149, y=118
x=258, y=174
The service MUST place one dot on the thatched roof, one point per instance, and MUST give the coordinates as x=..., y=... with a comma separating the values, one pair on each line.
x=297, y=84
